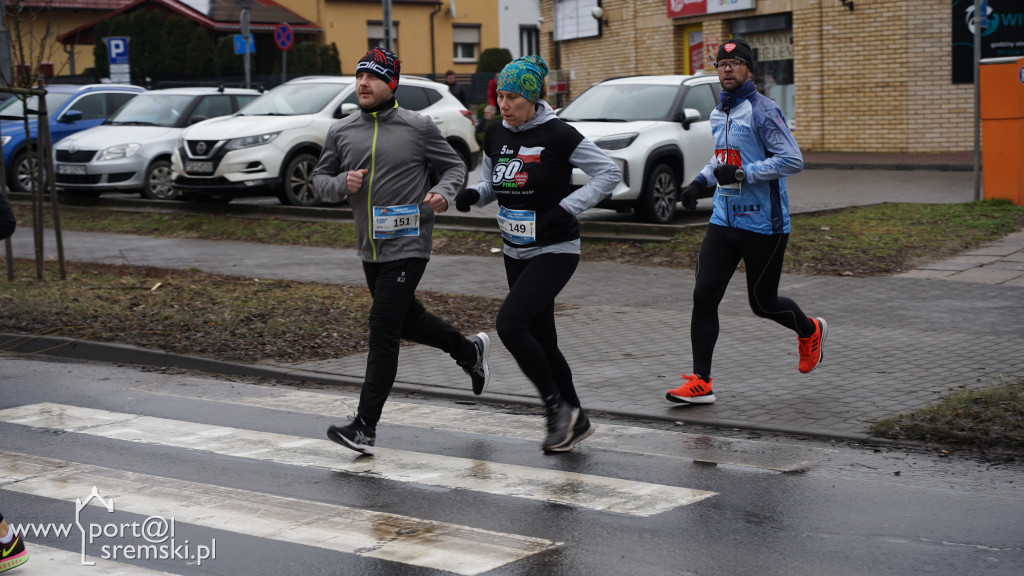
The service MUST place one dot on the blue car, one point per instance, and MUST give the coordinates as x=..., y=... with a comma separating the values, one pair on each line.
x=71, y=109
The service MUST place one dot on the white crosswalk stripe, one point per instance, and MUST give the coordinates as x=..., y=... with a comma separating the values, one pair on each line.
x=48, y=561
x=631, y=439
x=437, y=545
x=582, y=490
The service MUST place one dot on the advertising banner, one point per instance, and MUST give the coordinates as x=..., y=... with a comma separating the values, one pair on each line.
x=1001, y=36
x=683, y=8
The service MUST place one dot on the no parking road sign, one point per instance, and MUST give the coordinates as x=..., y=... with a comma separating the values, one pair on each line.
x=283, y=36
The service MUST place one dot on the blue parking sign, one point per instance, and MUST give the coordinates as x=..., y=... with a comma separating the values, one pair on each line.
x=117, y=49
x=240, y=45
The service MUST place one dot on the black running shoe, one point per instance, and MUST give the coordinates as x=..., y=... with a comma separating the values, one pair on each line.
x=13, y=553
x=561, y=420
x=581, y=431
x=478, y=370
x=356, y=435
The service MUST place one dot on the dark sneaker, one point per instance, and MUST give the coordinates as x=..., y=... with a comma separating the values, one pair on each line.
x=812, y=348
x=12, y=554
x=561, y=420
x=693, y=391
x=478, y=370
x=356, y=435
x=581, y=431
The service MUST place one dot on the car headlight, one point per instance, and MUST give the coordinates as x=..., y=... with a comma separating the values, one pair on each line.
x=118, y=152
x=617, y=141
x=4, y=140
x=250, y=141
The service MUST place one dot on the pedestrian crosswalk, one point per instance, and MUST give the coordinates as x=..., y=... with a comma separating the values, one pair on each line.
x=437, y=545
x=49, y=561
x=422, y=542
x=598, y=493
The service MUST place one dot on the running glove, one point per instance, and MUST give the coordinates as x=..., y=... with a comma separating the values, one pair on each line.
x=466, y=198
x=727, y=174
x=690, y=194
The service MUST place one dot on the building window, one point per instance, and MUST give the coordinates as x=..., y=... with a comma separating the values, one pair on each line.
x=529, y=40
x=375, y=35
x=573, y=19
x=466, y=43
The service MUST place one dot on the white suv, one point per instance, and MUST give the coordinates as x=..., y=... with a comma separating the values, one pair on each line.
x=272, y=145
x=656, y=129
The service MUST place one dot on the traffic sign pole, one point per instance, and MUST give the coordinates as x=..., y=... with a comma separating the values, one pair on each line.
x=244, y=28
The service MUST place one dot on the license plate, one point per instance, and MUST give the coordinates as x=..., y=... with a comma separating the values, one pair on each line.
x=199, y=167
x=71, y=169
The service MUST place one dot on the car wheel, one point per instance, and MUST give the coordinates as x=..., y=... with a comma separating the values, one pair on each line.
x=157, y=184
x=657, y=204
x=22, y=170
x=297, y=182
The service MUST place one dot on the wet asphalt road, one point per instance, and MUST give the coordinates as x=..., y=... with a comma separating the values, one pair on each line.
x=840, y=510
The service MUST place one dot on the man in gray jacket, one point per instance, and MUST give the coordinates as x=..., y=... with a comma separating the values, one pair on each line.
x=380, y=158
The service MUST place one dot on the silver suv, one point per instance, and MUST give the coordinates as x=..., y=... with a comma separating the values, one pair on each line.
x=656, y=129
x=132, y=149
x=272, y=145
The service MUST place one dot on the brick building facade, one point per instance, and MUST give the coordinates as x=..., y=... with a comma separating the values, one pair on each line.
x=877, y=78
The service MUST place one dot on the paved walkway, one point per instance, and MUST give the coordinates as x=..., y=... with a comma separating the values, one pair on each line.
x=895, y=344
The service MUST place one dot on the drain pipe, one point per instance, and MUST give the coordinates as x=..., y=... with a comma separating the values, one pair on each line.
x=433, y=59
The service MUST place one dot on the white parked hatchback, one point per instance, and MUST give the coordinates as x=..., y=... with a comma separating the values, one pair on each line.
x=271, y=146
x=656, y=129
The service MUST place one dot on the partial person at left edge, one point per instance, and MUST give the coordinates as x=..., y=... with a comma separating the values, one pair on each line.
x=7, y=221
x=381, y=159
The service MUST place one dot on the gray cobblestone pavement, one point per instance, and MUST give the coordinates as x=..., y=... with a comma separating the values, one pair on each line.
x=894, y=345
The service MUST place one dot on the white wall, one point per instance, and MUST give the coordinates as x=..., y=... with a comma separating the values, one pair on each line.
x=511, y=15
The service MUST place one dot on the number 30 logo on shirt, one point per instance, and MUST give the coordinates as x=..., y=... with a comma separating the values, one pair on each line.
x=509, y=174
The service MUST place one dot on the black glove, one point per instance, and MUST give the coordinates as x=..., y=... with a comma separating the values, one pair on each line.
x=689, y=195
x=466, y=198
x=727, y=174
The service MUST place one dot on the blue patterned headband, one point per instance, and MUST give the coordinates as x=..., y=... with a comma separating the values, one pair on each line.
x=524, y=76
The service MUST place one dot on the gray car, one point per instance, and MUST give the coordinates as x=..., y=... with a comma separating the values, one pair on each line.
x=132, y=150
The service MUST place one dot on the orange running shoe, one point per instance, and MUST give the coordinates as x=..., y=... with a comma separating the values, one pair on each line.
x=694, y=391
x=812, y=348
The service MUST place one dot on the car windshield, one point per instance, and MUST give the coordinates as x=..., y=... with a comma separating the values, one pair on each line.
x=293, y=99
x=153, y=110
x=621, y=103
x=15, y=107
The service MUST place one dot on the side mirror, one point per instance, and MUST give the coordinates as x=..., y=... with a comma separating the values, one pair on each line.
x=690, y=115
x=347, y=110
x=71, y=116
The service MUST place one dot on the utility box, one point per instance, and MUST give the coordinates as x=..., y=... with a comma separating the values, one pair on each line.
x=1002, y=128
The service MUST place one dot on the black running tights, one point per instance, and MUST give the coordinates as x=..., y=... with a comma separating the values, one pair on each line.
x=720, y=254
x=395, y=314
x=526, y=321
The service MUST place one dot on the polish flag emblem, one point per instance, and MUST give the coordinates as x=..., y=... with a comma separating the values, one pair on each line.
x=530, y=154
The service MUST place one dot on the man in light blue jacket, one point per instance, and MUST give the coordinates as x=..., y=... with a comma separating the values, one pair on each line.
x=754, y=152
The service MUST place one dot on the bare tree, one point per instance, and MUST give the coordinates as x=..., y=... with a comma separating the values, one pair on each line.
x=32, y=47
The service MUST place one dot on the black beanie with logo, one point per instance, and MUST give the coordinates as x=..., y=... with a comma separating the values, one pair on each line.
x=736, y=48
x=383, y=64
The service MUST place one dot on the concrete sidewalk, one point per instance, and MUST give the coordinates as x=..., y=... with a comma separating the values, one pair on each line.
x=894, y=345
